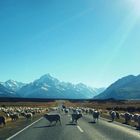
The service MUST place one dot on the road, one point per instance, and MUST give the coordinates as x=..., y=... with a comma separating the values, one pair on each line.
x=85, y=130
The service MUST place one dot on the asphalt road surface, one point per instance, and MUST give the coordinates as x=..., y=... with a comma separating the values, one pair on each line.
x=85, y=130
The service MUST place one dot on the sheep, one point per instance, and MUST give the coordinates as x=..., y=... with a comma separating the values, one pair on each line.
x=28, y=116
x=114, y=115
x=85, y=111
x=139, y=121
x=91, y=110
x=66, y=110
x=136, y=118
x=77, y=111
x=2, y=120
x=127, y=117
x=14, y=117
x=96, y=115
x=53, y=117
x=75, y=117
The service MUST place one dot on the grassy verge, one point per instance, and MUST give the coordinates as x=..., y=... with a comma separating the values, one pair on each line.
x=13, y=127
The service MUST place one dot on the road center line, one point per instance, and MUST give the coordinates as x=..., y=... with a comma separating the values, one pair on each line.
x=80, y=129
x=23, y=129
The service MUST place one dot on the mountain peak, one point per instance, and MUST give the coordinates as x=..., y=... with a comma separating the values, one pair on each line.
x=47, y=78
x=49, y=87
x=12, y=85
x=10, y=81
x=81, y=84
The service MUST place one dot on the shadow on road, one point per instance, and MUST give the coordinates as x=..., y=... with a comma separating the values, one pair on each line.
x=110, y=121
x=45, y=126
x=93, y=122
x=137, y=128
x=125, y=123
x=71, y=124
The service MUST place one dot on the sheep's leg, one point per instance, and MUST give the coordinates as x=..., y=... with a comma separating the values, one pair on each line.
x=60, y=122
x=55, y=122
x=72, y=120
x=4, y=123
x=138, y=125
x=112, y=119
x=125, y=121
x=76, y=122
x=94, y=120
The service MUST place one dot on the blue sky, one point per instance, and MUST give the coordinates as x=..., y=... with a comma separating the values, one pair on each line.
x=90, y=41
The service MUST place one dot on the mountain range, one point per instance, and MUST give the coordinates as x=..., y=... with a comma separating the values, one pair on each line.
x=12, y=85
x=47, y=87
x=125, y=88
x=4, y=92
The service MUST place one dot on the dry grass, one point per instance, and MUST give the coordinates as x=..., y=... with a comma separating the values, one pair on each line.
x=134, y=106
x=28, y=104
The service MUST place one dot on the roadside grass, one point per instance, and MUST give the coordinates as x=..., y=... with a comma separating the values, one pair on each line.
x=27, y=104
x=14, y=126
x=130, y=106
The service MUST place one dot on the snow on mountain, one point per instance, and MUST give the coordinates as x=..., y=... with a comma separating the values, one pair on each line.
x=12, y=85
x=4, y=92
x=50, y=87
x=47, y=79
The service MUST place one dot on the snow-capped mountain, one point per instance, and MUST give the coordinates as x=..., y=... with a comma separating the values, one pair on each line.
x=4, y=92
x=47, y=79
x=12, y=85
x=47, y=87
x=50, y=87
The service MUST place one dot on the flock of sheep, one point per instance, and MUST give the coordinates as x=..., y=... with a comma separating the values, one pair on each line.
x=15, y=113
x=128, y=117
x=78, y=112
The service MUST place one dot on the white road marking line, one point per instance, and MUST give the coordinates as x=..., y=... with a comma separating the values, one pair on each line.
x=23, y=129
x=80, y=129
